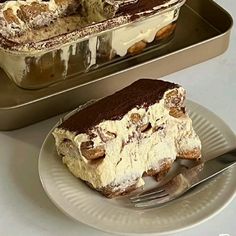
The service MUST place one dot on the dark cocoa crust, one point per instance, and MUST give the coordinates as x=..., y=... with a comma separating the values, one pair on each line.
x=140, y=6
x=143, y=8
x=142, y=93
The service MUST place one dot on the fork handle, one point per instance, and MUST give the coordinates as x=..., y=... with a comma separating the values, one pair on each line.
x=209, y=169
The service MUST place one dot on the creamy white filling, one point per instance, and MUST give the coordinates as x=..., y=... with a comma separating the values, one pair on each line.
x=93, y=51
x=125, y=37
x=14, y=66
x=129, y=155
x=15, y=6
x=94, y=9
x=65, y=56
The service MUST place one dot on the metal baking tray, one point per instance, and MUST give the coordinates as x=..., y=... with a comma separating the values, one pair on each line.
x=203, y=32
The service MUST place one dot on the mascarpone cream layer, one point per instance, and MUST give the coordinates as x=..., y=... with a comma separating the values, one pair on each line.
x=125, y=37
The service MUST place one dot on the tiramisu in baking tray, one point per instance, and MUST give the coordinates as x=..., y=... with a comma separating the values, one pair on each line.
x=42, y=42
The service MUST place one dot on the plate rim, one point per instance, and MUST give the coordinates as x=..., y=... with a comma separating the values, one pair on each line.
x=209, y=216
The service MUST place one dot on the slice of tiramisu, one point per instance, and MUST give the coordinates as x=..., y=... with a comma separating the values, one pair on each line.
x=139, y=130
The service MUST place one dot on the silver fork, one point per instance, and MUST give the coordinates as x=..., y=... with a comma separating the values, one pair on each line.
x=185, y=180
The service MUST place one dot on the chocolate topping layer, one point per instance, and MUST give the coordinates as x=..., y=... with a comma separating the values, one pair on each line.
x=140, y=6
x=142, y=93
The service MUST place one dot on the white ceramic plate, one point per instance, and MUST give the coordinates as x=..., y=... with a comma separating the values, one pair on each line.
x=75, y=199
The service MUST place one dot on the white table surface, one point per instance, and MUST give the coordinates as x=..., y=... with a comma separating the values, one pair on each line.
x=26, y=210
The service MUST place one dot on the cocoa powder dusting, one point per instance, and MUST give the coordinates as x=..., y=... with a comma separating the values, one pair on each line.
x=142, y=93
